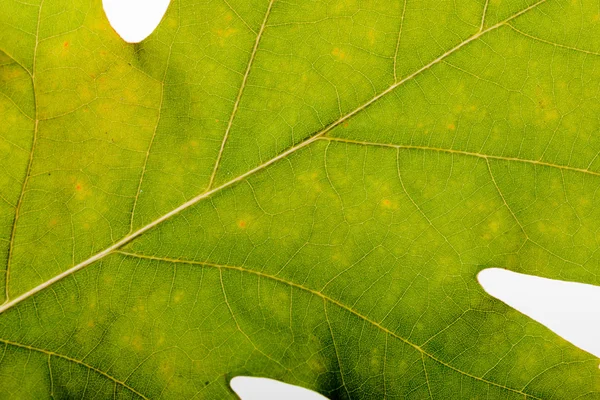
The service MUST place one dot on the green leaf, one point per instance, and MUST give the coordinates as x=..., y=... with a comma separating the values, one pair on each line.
x=304, y=190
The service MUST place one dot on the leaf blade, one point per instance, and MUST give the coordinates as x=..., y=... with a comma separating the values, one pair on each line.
x=338, y=203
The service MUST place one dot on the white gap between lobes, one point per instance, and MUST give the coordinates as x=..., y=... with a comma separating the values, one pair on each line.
x=570, y=309
x=252, y=388
x=135, y=20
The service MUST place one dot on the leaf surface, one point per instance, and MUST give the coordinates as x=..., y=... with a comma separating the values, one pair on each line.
x=303, y=190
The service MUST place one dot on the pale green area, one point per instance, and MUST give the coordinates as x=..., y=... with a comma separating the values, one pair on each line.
x=376, y=155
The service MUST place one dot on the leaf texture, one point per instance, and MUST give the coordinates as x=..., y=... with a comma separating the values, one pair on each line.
x=304, y=190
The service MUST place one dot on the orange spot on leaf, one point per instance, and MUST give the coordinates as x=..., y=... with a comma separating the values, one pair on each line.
x=242, y=224
x=226, y=33
x=339, y=54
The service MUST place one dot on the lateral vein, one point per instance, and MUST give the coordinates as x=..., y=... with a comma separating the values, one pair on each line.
x=240, y=93
x=327, y=299
x=464, y=153
x=90, y=367
x=29, y=163
x=160, y=107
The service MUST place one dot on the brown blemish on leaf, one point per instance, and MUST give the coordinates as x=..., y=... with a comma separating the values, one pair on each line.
x=542, y=103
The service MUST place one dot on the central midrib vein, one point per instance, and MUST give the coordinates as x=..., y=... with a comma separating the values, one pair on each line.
x=311, y=139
